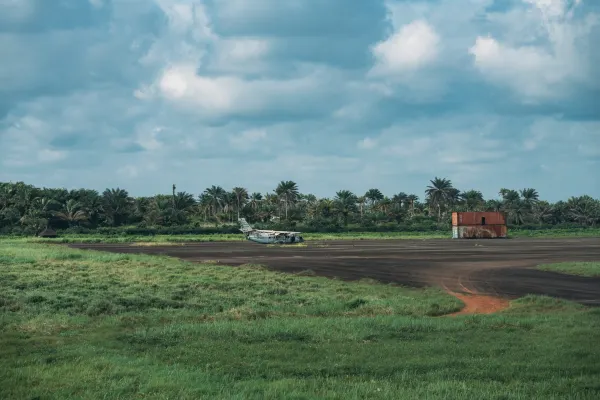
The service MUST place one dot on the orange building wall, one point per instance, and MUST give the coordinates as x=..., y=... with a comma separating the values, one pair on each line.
x=475, y=218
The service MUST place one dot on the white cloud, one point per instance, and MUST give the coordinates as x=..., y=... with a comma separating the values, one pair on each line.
x=555, y=8
x=529, y=70
x=181, y=83
x=229, y=94
x=189, y=33
x=536, y=71
x=367, y=143
x=147, y=138
x=413, y=46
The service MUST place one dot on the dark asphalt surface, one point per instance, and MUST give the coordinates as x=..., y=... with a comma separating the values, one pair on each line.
x=502, y=267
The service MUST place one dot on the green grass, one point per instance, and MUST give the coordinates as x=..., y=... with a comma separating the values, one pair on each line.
x=96, y=238
x=84, y=325
x=582, y=268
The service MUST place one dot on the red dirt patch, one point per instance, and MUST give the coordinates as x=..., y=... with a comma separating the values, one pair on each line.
x=480, y=304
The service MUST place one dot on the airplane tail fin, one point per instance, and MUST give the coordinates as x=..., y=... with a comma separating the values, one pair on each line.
x=245, y=226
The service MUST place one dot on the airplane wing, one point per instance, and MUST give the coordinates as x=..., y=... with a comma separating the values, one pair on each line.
x=278, y=232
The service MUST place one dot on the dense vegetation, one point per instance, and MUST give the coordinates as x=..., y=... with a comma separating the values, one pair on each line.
x=25, y=209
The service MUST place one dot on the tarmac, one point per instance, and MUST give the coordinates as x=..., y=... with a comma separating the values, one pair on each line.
x=503, y=268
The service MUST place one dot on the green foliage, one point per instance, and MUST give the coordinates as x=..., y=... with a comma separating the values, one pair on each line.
x=26, y=210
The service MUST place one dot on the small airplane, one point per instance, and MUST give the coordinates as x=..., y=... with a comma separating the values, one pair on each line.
x=267, y=236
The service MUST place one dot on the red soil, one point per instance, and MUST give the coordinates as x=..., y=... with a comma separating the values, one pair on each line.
x=480, y=304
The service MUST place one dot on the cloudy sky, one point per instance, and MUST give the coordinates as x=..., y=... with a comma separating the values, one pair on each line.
x=333, y=94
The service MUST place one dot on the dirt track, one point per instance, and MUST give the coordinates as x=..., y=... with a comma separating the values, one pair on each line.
x=500, y=268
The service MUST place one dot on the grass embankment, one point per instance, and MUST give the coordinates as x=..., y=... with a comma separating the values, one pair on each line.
x=96, y=238
x=583, y=268
x=77, y=324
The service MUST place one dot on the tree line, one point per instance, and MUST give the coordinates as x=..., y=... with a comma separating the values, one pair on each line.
x=25, y=209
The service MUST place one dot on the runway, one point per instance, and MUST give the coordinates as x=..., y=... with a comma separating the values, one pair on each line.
x=502, y=267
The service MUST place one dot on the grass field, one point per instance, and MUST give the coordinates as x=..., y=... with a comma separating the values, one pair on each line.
x=81, y=324
x=93, y=238
x=591, y=269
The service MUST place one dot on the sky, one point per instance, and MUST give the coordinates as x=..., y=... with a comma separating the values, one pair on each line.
x=332, y=94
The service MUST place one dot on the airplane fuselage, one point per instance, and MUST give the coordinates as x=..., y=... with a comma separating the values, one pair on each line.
x=274, y=238
x=267, y=236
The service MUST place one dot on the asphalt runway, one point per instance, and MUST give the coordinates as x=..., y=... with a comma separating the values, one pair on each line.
x=502, y=267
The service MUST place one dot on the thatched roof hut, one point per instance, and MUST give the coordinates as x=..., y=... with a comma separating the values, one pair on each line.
x=48, y=233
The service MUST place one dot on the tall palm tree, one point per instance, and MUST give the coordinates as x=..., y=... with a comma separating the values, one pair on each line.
x=530, y=197
x=438, y=193
x=241, y=197
x=361, y=200
x=513, y=206
x=255, y=199
x=412, y=198
x=373, y=195
x=473, y=200
x=345, y=203
x=182, y=205
x=116, y=205
x=400, y=200
x=215, y=196
x=288, y=192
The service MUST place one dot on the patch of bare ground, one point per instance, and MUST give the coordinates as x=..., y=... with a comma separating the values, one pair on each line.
x=479, y=304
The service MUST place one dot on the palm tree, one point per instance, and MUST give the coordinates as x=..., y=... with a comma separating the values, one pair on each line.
x=116, y=205
x=215, y=196
x=40, y=208
x=255, y=200
x=182, y=206
x=513, y=205
x=473, y=200
x=345, y=203
x=542, y=211
x=384, y=205
x=493, y=205
x=241, y=197
x=412, y=198
x=373, y=195
x=72, y=212
x=7, y=192
x=438, y=193
x=361, y=203
x=326, y=207
x=530, y=197
x=288, y=192
x=400, y=199
x=584, y=210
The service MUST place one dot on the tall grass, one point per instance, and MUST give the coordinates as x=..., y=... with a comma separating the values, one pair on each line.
x=84, y=325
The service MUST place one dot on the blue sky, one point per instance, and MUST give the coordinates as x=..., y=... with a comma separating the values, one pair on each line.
x=333, y=94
